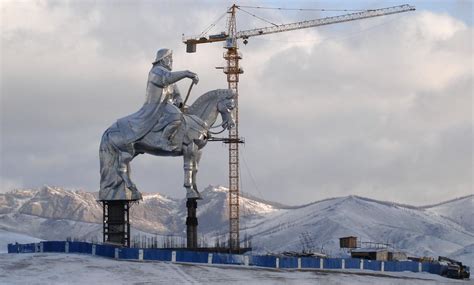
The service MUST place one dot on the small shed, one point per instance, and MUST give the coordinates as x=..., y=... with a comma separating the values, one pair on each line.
x=348, y=242
x=397, y=255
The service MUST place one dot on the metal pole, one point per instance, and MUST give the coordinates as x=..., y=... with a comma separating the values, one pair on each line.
x=104, y=219
x=191, y=223
x=127, y=240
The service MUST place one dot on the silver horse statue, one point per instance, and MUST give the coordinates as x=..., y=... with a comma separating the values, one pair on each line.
x=160, y=128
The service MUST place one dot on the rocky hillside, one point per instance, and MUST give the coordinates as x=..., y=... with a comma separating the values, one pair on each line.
x=460, y=210
x=41, y=210
x=442, y=229
x=410, y=229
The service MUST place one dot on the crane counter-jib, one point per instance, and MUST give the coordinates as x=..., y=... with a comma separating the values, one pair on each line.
x=193, y=41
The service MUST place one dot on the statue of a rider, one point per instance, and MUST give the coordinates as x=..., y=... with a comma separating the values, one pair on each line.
x=161, y=111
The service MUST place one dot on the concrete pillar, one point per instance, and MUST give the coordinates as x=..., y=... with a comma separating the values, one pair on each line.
x=66, y=247
x=140, y=254
x=343, y=264
x=361, y=264
x=173, y=256
x=116, y=253
x=41, y=247
x=382, y=267
x=420, y=267
x=209, y=258
x=93, y=249
x=299, y=262
x=277, y=263
x=321, y=263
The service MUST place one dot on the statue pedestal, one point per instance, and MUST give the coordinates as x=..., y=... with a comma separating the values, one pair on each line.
x=116, y=222
x=191, y=223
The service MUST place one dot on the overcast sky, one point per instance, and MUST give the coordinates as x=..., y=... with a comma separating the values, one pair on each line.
x=380, y=108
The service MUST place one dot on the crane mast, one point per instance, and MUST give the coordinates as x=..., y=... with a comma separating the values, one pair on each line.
x=233, y=70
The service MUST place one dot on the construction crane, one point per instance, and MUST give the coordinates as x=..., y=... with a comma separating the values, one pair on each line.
x=233, y=70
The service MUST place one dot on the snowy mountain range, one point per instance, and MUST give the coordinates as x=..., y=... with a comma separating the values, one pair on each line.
x=446, y=228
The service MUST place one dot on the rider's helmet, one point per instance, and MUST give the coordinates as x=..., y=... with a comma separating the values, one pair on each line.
x=162, y=53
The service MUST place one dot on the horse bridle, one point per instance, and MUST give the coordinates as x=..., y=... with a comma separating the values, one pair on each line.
x=215, y=127
x=216, y=133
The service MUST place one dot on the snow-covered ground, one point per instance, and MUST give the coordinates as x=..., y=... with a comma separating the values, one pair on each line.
x=9, y=237
x=460, y=210
x=51, y=268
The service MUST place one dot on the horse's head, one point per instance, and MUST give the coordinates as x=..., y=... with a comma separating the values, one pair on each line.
x=225, y=107
x=209, y=105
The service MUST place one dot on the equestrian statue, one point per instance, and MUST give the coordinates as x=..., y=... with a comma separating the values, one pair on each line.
x=163, y=127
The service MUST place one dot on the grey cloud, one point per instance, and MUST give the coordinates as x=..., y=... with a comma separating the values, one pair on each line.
x=384, y=113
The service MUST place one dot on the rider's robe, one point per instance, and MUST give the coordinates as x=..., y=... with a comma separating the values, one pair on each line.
x=117, y=140
x=156, y=110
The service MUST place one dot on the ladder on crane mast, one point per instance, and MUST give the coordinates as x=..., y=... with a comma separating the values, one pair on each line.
x=233, y=70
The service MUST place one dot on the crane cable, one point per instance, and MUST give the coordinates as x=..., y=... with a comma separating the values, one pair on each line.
x=301, y=9
x=271, y=8
x=212, y=25
x=260, y=18
x=335, y=38
x=252, y=178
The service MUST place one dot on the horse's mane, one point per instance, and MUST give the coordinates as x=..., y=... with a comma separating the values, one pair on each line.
x=206, y=97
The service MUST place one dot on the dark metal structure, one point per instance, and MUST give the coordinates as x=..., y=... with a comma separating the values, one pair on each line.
x=191, y=224
x=116, y=222
x=233, y=71
x=456, y=269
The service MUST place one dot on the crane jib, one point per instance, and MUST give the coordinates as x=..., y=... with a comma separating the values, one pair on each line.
x=192, y=42
x=324, y=21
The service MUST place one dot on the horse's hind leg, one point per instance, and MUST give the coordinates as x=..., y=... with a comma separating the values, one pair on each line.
x=125, y=155
x=124, y=169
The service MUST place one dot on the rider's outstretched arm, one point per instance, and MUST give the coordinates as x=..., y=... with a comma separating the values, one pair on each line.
x=174, y=76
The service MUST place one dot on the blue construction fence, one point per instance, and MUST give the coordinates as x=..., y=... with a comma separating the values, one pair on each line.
x=269, y=261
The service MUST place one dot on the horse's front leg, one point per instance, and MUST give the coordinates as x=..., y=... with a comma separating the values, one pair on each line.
x=197, y=158
x=189, y=154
